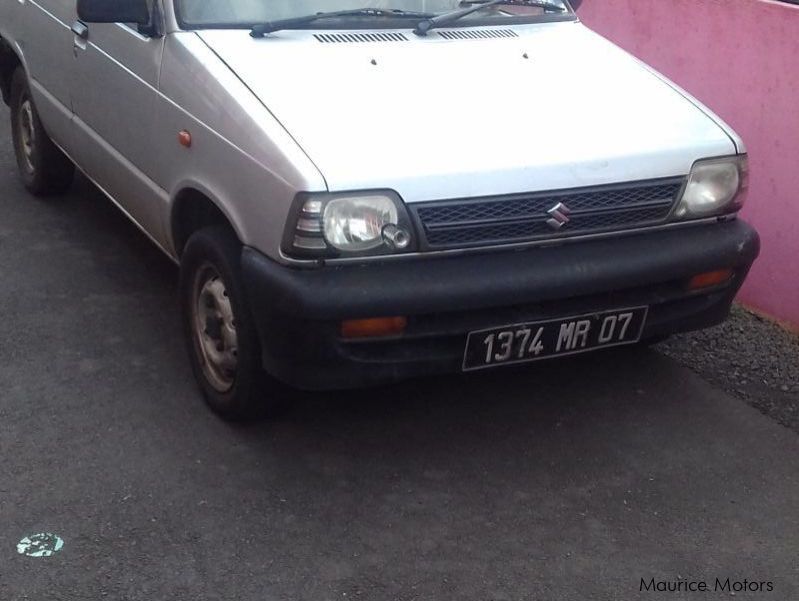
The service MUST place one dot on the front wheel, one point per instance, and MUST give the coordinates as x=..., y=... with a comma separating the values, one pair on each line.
x=222, y=340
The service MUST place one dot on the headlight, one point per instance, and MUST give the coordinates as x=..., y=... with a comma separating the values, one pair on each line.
x=715, y=187
x=358, y=224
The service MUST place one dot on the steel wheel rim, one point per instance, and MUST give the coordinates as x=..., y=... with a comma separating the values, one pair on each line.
x=27, y=133
x=214, y=325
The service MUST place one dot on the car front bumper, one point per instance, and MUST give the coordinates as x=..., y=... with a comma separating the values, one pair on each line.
x=298, y=312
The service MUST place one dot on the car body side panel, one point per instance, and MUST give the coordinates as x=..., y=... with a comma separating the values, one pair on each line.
x=240, y=156
x=114, y=91
x=38, y=30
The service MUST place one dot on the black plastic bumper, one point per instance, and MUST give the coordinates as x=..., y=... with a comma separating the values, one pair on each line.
x=298, y=312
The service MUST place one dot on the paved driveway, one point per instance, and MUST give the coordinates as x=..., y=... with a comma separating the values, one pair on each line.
x=567, y=481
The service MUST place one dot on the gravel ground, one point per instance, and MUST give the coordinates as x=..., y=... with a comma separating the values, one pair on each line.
x=749, y=357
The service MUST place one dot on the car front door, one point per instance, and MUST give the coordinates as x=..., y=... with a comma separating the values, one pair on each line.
x=42, y=37
x=114, y=94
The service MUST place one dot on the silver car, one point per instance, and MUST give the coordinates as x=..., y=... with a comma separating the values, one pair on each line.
x=359, y=191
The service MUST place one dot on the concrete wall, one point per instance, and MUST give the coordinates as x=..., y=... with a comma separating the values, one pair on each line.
x=741, y=58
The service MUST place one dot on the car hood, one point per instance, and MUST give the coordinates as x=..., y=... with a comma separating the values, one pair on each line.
x=556, y=106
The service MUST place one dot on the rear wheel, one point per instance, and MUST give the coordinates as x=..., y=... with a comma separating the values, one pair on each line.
x=43, y=168
x=222, y=339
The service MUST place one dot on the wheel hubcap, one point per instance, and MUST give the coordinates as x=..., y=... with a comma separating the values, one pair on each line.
x=215, y=329
x=27, y=133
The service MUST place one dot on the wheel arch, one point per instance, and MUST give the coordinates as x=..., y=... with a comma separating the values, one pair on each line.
x=9, y=62
x=194, y=208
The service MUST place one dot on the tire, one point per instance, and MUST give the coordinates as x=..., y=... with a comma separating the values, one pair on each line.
x=220, y=332
x=43, y=168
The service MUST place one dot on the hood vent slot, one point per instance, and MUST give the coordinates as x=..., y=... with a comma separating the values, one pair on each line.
x=350, y=38
x=477, y=34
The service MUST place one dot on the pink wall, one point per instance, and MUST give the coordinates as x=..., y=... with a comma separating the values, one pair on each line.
x=741, y=58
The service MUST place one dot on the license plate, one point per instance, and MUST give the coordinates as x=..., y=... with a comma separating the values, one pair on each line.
x=521, y=343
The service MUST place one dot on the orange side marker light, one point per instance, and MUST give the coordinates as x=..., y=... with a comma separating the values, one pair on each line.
x=710, y=279
x=373, y=328
x=184, y=137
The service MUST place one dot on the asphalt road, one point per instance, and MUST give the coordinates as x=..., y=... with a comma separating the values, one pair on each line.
x=568, y=481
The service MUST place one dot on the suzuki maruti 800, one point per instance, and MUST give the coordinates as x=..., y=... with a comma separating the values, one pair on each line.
x=360, y=191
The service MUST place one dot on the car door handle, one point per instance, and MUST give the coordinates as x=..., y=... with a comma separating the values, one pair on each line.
x=80, y=29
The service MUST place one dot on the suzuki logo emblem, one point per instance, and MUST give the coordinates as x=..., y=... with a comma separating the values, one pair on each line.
x=559, y=216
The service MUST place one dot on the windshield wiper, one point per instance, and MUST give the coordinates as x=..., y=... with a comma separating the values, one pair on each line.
x=447, y=18
x=260, y=30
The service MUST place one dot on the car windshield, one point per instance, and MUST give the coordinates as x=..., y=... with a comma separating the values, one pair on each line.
x=245, y=13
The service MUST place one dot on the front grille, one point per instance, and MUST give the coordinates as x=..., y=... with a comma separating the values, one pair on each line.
x=520, y=218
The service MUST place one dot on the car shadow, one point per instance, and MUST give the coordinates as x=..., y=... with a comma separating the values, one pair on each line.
x=600, y=397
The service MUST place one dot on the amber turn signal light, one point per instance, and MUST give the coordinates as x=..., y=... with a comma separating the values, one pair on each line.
x=184, y=137
x=710, y=279
x=373, y=328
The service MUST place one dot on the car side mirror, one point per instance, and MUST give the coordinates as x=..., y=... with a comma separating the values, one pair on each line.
x=575, y=3
x=114, y=11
